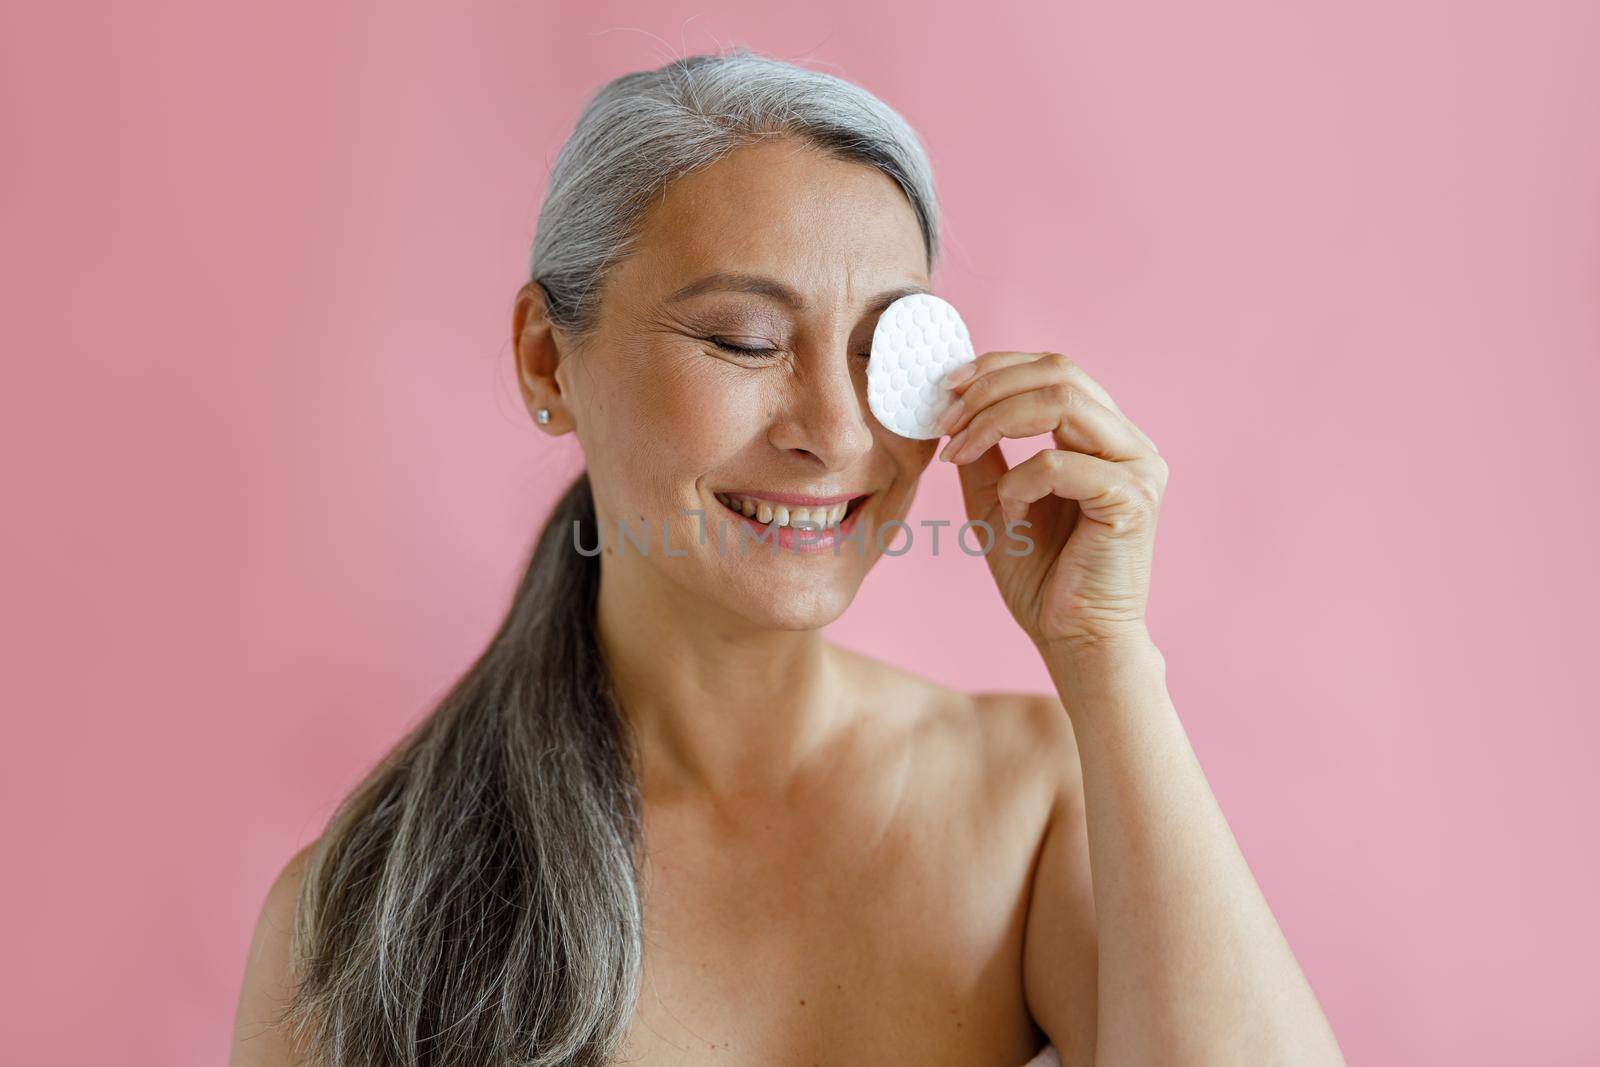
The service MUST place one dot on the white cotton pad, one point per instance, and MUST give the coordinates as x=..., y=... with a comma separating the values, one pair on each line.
x=920, y=338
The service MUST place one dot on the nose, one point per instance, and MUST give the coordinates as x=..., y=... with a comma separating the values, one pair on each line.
x=825, y=411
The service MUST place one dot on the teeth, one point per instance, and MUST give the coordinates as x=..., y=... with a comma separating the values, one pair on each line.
x=766, y=512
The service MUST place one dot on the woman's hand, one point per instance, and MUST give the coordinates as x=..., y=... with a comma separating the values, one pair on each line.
x=1090, y=503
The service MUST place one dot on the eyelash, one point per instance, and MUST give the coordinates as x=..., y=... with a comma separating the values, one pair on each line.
x=757, y=353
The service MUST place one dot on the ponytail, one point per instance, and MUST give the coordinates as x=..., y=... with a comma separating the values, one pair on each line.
x=474, y=900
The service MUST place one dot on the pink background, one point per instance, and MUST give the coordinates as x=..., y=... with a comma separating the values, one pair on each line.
x=268, y=483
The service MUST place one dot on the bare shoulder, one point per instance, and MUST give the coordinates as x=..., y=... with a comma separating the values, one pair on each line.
x=1030, y=729
x=1023, y=741
x=259, y=1040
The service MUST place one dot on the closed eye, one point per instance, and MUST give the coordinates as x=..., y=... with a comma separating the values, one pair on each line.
x=759, y=353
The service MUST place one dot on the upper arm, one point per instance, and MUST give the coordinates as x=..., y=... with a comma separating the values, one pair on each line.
x=258, y=1040
x=1060, y=948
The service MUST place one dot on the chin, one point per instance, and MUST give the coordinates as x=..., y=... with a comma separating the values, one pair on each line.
x=780, y=605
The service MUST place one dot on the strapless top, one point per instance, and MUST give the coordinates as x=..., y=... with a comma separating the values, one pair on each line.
x=1046, y=1057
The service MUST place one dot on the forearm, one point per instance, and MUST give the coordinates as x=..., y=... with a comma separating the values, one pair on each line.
x=1192, y=965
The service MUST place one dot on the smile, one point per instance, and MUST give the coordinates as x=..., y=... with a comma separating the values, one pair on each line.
x=768, y=512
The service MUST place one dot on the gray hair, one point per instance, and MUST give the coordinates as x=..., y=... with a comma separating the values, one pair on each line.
x=475, y=899
x=644, y=130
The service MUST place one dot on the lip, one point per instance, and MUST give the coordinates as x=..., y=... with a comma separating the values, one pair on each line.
x=815, y=541
x=793, y=499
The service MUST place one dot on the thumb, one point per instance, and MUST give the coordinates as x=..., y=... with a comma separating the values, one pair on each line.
x=979, y=478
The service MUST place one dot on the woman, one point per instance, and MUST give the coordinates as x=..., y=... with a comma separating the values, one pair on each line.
x=661, y=820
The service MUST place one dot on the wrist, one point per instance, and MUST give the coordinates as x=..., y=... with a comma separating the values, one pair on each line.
x=1128, y=660
x=1104, y=648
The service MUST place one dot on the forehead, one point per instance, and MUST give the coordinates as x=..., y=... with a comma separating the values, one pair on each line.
x=784, y=208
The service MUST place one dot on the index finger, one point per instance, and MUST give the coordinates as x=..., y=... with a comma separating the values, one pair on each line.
x=997, y=360
x=985, y=363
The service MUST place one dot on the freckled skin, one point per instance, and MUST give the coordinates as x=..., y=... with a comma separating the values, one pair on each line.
x=837, y=852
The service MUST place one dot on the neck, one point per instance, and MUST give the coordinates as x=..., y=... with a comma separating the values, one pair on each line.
x=718, y=706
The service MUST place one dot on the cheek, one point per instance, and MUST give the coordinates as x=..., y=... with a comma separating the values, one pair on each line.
x=911, y=457
x=692, y=416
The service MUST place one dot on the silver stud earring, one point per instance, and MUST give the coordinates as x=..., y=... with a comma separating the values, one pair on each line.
x=543, y=415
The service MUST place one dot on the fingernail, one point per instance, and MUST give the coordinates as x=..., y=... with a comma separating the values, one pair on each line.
x=953, y=447
x=957, y=376
x=951, y=416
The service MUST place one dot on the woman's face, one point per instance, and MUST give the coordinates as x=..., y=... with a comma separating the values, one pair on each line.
x=668, y=420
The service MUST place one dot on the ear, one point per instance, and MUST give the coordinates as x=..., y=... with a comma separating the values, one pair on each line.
x=538, y=350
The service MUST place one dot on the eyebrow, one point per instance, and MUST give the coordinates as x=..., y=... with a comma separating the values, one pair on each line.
x=761, y=285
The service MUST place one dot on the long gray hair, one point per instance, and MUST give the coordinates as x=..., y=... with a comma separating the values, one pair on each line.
x=475, y=899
